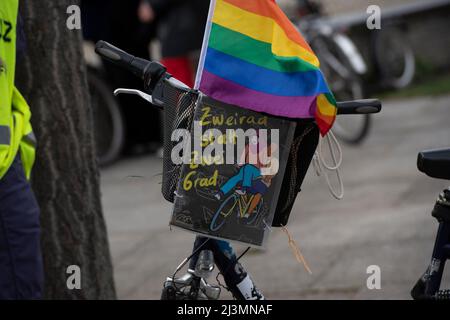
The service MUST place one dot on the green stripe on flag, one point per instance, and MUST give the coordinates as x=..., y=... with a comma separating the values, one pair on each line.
x=253, y=51
x=330, y=98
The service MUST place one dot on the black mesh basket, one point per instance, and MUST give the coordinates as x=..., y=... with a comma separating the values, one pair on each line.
x=305, y=142
x=179, y=105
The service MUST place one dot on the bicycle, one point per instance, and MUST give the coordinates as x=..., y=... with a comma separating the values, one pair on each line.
x=436, y=164
x=239, y=203
x=178, y=102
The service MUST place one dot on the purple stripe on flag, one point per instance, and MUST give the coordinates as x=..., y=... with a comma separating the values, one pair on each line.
x=232, y=93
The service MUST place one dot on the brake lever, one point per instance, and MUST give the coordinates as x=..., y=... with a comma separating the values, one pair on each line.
x=139, y=93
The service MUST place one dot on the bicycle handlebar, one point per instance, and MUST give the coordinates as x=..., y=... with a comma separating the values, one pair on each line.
x=122, y=59
x=364, y=106
x=149, y=71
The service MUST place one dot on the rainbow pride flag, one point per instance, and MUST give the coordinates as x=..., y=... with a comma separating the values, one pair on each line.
x=255, y=58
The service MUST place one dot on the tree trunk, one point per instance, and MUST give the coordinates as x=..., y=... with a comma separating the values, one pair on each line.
x=52, y=77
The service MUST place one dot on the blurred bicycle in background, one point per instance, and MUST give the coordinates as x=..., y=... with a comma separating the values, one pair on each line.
x=392, y=55
x=345, y=69
x=342, y=65
x=109, y=133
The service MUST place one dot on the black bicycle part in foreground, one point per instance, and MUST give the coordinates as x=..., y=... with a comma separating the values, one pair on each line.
x=436, y=164
x=149, y=71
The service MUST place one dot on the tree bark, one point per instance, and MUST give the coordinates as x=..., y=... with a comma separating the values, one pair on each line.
x=52, y=77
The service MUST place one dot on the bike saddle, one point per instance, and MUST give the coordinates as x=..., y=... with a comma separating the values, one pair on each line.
x=435, y=163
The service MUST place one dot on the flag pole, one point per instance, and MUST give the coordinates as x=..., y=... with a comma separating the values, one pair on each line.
x=201, y=63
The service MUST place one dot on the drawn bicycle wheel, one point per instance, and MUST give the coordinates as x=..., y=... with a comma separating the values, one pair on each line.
x=224, y=211
x=254, y=216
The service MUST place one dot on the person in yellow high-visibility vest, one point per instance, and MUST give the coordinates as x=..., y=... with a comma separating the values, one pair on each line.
x=21, y=271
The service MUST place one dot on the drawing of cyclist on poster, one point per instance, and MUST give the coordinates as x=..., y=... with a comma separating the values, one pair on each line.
x=249, y=179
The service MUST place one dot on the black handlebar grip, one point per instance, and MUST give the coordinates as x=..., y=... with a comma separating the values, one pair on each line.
x=122, y=59
x=365, y=106
x=435, y=163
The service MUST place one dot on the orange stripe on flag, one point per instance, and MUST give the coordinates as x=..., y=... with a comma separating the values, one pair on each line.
x=323, y=114
x=270, y=9
x=328, y=120
x=325, y=107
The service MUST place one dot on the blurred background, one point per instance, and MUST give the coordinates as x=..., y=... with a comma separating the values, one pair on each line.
x=384, y=218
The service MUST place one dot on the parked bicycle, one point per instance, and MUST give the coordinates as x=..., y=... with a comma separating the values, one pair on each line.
x=177, y=100
x=436, y=164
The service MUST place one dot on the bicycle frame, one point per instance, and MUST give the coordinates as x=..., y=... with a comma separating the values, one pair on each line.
x=428, y=286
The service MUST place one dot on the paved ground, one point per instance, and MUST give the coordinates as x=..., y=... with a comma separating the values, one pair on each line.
x=384, y=219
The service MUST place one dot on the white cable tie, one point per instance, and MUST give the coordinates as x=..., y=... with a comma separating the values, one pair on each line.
x=322, y=167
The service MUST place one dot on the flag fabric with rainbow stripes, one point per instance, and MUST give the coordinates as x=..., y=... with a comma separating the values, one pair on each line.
x=255, y=58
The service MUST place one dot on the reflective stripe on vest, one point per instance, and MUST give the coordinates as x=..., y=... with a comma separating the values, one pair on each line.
x=5, y=135
x=30, y=139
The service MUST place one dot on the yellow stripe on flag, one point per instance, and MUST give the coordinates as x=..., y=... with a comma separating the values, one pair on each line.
x=262, y=29
x=325, y=107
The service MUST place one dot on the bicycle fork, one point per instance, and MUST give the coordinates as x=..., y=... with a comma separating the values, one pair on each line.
x=237, y=280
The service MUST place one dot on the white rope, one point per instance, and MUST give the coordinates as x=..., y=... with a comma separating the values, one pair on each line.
x=325, y=169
